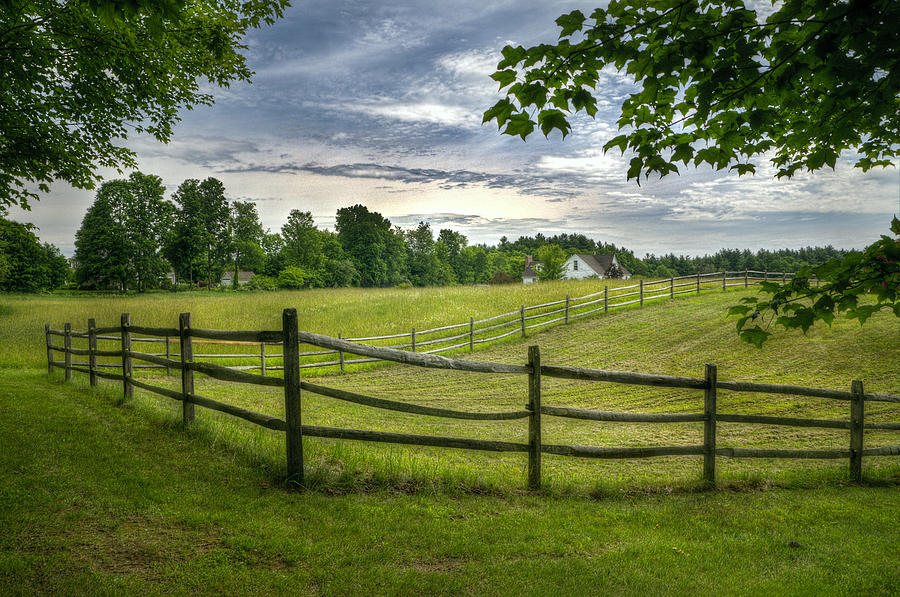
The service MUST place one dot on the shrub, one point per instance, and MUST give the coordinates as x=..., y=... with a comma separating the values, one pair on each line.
x=260, y=282
x=502, y=277
x=294, y=277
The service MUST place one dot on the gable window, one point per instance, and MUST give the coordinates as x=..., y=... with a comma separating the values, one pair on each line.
x=575, y=265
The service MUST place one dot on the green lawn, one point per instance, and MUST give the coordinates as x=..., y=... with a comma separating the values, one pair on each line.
x=99, y=496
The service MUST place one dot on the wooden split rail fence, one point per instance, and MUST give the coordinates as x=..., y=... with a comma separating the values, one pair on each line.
x=290, y=337
x=460, y=336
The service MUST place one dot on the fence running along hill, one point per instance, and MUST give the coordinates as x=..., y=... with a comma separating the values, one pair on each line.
x=459, y=336
x=291, y=425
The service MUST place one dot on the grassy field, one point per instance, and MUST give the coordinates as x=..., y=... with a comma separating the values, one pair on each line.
x=99, y=496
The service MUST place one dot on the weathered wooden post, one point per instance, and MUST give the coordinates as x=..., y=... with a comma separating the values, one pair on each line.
x=127, y=388
x=534, y=421
x=262, y=358
x=92, y=350
x=413, y=336
x=698, y=282
x=672, y=287
x=567, y=309
x=783, y=278
x=642, y=292
x=186, y=345
x=857, y=420
x=168, y=356
x=67, y=344
x=49, y=350
x=746, y=278
x=605, y=299
x=471, y=334
x=709, y=426
x=341, y=355
x=522, y=318
x=724, y=281
x=294, y=432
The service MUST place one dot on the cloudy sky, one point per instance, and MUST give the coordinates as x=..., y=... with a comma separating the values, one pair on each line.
x=379, y=102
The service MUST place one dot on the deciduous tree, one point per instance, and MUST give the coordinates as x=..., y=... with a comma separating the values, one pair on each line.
x=246, y=236
x=119, y=242
x=720, y=84
x=553, y=263
x=80, y=75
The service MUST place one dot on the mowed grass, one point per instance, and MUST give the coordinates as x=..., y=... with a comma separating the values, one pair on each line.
x=100, y=496
x=675, y=337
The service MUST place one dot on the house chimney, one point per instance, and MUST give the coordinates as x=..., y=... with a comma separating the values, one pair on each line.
x=528, y=260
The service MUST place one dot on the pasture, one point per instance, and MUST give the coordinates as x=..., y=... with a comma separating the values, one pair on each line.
x=103, y=496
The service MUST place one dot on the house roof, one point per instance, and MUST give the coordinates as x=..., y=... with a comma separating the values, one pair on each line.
x=529, y=270
x=601, y=263
x=242, y=276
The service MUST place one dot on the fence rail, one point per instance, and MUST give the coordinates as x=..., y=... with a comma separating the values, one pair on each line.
x=429, y=341
x=291, y=338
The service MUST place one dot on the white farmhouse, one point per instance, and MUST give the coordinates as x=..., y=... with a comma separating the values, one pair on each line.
x=579, y=266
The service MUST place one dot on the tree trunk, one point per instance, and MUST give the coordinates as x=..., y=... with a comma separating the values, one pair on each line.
x=234, y=281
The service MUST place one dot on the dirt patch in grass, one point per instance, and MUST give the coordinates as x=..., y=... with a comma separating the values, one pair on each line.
x=143, y=547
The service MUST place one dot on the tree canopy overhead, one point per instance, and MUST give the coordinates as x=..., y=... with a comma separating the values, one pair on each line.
x=80, y=75
x=718, y=84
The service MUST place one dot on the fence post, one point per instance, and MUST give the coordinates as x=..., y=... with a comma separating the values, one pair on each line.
x=67, y=343
x=724, y=281
x=471, y=334
x=642, y=292
x=698, y=282
x=766, y=275
x=783, y=278
x=709, y=426
x=340, y=355
x=49, y=350
x=567, y=309
x=606, y=299
x=534, y=421
x=746, y=278
x=672, y=287
x=413, y=336
x=186, y=344
x=262, y=358
x=168, y=356
x=857, y=416
x=92, y=350
x=127, y=388
x=294, y=432
x=522, y=318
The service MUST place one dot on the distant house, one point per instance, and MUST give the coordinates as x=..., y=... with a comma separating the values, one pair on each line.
x=243, y=278
x=530, y=274
x=579, y=266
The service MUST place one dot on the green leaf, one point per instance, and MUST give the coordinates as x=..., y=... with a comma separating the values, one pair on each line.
x=570, y=23
x=621, y=142
x=519, y=125
x=502, y=110
x=553, y=119
x=755, y=336
x=504, y=77
x=739, y=310
x=634, y=168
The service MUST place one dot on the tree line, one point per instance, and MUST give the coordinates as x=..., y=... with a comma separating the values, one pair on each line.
x=131, y=237
x=27, y=264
